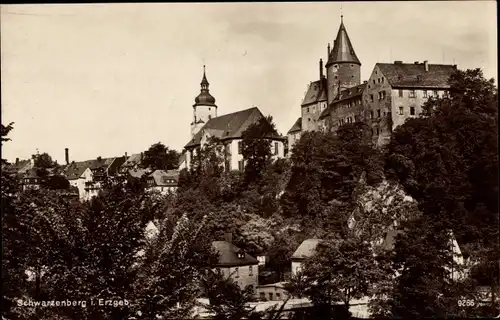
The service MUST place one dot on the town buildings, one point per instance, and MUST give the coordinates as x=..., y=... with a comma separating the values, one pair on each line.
x=163, y=181
x=393, y=93
x=236, y=264
x=228, y=128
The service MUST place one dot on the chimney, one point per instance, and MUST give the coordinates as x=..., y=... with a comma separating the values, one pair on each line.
x=17, y=161
x=328, y=49
x=416, y=62
x=454, y=66
x=142, y=156
x=426, y=65
x=321, y=69
x=398, y=62
x=66, y=155
x=125, y=154
x=228, y=237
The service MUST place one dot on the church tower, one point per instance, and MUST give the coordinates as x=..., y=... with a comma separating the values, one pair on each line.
x=204, y=108
x=343, y=69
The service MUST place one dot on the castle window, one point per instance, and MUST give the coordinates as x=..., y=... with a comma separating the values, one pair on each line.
x=373, y=81
x=412, y=111
x=382, y=79
x=425, y=93
x=314, y=108
x=371, y=114
x=378, y=113
x=309, y=119
x=412, y=94
x=400, y=93
x=336, y=77
x=209, y=117
x=401, y=111
x=307, y=110
x=236, y=272
x=378, y=131
x=250, y=271
x=371, y=97
x=352, y=66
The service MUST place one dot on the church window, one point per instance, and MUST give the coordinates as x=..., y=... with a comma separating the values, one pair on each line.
x=401, y=93
x=401, y=111
x=307, y=109
x=373, y=81
x=412, y=94
x=352, y=66
x=412, y=111
x=209, y=109
x=209, y=116
x=314, y=108
x=309, y=119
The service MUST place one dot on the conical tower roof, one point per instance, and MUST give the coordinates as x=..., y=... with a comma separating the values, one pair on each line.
x=342, y=49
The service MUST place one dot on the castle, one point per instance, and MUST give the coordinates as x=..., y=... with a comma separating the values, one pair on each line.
x=393, y=93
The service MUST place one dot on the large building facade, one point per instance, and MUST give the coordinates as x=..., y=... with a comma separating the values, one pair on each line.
x=393, y=93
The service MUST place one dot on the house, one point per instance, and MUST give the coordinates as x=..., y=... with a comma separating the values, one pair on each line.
x=30, y=180
x=18, y=167
x=397, y=91
x=294, y=133
x=229, y=128
x=314, y=102
x=273, y=292
x=163, y=181
x=137, y=172
x=132, y=162
x=182, y=160
x=80, y=176
x=236, y=264
x=304, y=251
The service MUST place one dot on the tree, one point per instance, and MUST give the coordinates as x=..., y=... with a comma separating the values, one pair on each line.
x=447, y=159
x=256, y=148
x=339, y=271
x=227, y=300
x=4, y=132
x=171, y=268
x=160, y=157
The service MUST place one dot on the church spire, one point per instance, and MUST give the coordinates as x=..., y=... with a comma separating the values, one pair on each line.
x=204, y=98
x=204, y=82
x=343, y=50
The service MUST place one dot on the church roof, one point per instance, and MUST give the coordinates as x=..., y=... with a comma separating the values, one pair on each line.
x=316, y=92
x=228, y=126
x=343, y=50
x=297, y=126
x=413, y=75
x=344, y=95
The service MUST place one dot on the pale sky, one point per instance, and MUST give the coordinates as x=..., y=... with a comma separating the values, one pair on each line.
x=105, y=79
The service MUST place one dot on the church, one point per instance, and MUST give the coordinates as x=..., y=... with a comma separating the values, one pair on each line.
x=228, y=128
x=393, y=93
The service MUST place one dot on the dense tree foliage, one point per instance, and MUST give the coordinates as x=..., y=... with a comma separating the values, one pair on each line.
x=160, y=157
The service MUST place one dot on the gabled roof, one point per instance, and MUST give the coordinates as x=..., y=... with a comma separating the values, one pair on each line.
x=132, y=160
x=229, y=126
x=343, y=50
x=411, y=75
x=297, y=126
x=165, y=178
x=19, y=167
x=182, y=158
x=228, y=255
x=344, y=95
x=316, y=92
x=306, y=249
x=137, y=173
x=75, y=170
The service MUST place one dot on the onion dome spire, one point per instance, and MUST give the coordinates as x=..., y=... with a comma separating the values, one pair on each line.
x=204, y=98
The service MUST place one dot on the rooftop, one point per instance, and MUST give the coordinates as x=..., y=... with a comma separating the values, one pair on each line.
x=415, y=75
x=228, y=255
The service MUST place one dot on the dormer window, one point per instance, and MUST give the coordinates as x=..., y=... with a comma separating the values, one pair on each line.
x=241, y=255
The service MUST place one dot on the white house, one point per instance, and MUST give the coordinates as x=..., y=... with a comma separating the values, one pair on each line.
x=304, y=251
x=163, y=181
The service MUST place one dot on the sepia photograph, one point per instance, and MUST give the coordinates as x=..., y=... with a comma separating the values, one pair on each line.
x=250, y=160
